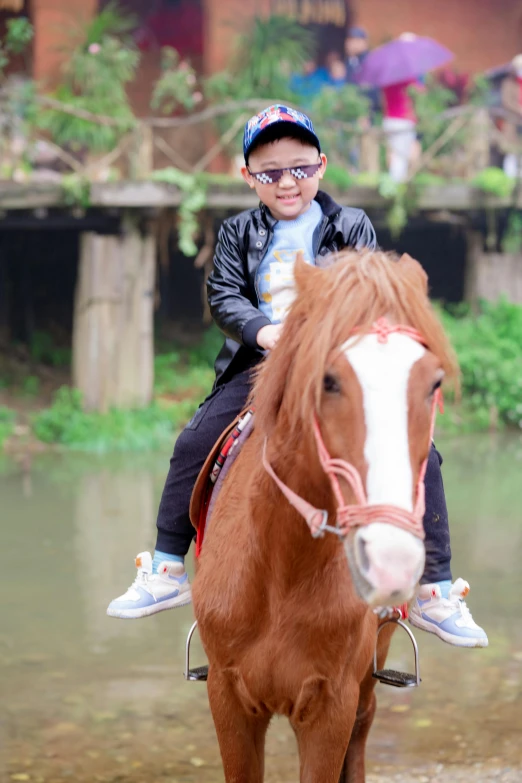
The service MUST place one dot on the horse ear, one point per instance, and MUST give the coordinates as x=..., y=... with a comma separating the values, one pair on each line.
x=414, y=272
x=307, y=277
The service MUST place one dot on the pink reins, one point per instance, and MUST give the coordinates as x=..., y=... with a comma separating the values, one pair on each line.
x=360, y=513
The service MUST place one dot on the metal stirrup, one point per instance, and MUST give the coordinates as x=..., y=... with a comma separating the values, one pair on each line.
x=391, y=676
x=199, y=673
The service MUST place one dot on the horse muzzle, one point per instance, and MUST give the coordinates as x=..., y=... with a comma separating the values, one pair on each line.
x=386, y=563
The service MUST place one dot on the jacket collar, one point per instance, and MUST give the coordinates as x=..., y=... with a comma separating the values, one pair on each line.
x=329, y=208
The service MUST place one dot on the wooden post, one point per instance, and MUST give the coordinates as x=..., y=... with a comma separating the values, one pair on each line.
x=491, y=275
x=479, y=142
x=474, y=253
x=145, y=152
x=113, y=355
x=370, y=151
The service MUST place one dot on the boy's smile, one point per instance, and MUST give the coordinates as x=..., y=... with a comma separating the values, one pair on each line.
x=291, y=195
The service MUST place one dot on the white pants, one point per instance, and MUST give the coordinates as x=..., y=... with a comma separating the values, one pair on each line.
x=400, y=136
x=511, y=165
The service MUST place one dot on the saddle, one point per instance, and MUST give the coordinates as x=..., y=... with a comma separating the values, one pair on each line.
x=206, y=489
x=216, y=466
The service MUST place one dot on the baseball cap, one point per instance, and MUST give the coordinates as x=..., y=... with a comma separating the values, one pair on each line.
x=276, y=115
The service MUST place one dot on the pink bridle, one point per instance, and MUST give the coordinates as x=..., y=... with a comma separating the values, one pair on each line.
x=360, y=513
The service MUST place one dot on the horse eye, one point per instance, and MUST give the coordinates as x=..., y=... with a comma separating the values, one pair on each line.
x=330, y=384
x=436, y=386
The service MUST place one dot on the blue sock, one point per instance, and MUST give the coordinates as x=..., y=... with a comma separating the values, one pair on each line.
x=445, y=587
x=160, y=557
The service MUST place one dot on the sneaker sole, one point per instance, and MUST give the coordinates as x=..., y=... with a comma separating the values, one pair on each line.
x=145, y=611
x=449, y=638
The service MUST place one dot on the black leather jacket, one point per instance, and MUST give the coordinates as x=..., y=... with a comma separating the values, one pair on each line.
x=243, y=241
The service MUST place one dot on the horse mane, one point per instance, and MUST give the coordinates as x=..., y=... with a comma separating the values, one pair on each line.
x=352, y=292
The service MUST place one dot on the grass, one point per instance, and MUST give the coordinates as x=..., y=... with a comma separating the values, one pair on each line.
x=182, y=379
x=65, y=423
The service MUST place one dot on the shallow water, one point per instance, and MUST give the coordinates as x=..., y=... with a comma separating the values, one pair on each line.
x=89, y=698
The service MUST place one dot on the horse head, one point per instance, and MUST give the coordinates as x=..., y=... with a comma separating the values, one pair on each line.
x=350, y=391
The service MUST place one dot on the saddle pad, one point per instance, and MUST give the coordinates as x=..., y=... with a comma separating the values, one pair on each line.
x=213, y=472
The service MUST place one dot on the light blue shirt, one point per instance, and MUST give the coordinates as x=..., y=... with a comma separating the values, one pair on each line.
x=275, y=276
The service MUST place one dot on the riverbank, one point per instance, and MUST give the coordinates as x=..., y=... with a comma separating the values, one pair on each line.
x=39, y=409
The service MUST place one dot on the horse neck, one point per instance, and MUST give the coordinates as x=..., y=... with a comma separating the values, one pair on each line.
x=283, y=537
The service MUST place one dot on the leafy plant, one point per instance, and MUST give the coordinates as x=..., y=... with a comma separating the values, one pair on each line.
x=177, y=85
x=347, y=104
x=495, y=181
x=430, y=103
x=101, y=64
x=194, y=196
x=31, y=386
x=267, y=54
x=260, y=67
x=66, y=424
x=488, y=349
x=400, y=198
x=512, y=238
x=19, y=34
x=338, y=176
x=173, y=377
x=44, y=350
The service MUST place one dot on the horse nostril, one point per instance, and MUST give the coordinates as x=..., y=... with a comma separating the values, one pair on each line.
x=362, y=555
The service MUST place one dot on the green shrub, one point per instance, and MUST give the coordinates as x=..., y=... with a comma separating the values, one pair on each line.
x=173, y=377
x=188, y=370
x=31, y=386
x=66, y=424
x=44, y=350
x=494, y=181
x=339, y=177
x=7, y=422
x=489, y=349
x=205, y=352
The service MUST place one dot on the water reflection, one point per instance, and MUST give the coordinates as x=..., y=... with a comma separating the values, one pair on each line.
x=93, y=698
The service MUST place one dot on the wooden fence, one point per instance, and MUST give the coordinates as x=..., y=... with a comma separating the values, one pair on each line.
x=470, y=139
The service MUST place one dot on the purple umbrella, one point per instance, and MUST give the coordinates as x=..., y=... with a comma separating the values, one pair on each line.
x=402, y=60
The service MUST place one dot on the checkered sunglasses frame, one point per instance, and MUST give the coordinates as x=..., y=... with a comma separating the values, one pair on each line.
x=297, y=172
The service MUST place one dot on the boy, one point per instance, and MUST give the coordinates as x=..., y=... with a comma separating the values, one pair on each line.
x=249, y=291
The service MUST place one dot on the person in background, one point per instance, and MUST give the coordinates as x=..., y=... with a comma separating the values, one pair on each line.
x=400, y=124
x=309, y=82
x=336, y=69
x=511, y=100
x=355, y=49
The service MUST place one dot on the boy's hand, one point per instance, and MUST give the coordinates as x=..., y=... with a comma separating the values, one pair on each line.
x=268, y=336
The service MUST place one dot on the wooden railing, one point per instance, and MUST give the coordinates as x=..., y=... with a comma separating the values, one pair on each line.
x=471, y=139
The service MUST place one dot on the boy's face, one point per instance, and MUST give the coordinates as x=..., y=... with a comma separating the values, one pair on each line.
x=290, y=196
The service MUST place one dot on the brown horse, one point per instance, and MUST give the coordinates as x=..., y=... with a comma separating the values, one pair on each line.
x=287, y=619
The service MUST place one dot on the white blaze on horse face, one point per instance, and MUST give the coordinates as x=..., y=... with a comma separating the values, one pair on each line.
x=383, y=371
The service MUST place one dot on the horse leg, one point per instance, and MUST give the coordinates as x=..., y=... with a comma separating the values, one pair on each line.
x=322, y=726
x=240, y=728
x=354, y=763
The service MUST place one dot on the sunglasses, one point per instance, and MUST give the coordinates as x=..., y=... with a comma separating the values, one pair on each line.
x=297, y=172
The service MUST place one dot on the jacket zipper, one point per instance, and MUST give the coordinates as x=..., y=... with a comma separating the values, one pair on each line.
x=270, y=235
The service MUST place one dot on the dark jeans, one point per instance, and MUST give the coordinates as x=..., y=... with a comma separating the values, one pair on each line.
x=175, y=531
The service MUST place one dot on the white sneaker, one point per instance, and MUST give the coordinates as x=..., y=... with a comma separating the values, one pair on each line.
x=151, y=593
x=449, y=618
